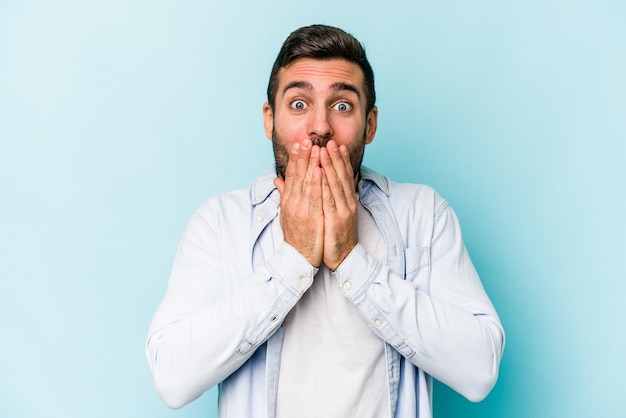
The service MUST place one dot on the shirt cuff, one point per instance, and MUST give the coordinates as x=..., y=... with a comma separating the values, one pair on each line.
x=291, y=269
x=356, y=273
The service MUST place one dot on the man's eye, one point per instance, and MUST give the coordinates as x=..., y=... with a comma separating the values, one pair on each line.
x=343, y=107
x=298, y=105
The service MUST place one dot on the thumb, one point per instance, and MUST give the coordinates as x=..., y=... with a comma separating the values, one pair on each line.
x=280, y=184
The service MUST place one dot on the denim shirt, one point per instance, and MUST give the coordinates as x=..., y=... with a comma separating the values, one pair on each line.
x=230, y=290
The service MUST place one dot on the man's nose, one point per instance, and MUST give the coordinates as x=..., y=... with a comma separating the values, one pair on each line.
x=320, y=124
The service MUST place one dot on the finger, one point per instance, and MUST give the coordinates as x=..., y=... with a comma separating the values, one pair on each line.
x=316, y=193
x=280, y=184
x=345, y=155
x=290, y=171
x=328, y=200
x=341, y=161
x=334, y=181
x=311, y=192
x=301, y=174
x=314, y=159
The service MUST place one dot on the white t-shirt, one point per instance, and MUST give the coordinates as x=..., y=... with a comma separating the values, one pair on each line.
x=332, y=364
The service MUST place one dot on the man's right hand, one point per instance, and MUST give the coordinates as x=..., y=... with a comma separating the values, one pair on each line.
x=301, y=214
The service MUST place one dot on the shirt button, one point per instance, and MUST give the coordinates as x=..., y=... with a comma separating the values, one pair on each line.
x=259, y=218
x=378, y=322
x=346, y=285
x=304, y=280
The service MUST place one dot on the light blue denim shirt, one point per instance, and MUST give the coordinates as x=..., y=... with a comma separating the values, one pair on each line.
x=230, y=290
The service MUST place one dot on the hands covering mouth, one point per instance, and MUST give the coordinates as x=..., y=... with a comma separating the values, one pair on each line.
x=318, y=202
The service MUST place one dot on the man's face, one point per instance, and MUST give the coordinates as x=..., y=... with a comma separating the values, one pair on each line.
x=320, y=100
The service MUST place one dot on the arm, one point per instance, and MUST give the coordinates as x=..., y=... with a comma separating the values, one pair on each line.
x=445, y=325
x=208, y=324
x=204, y=330
x=441, y=320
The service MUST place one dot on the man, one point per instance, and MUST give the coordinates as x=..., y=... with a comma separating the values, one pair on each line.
x=324, y=289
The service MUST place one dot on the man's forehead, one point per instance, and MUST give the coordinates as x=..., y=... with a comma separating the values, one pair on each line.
x=330, y=72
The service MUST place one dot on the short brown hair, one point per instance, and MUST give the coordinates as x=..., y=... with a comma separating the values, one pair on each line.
x=324, y=43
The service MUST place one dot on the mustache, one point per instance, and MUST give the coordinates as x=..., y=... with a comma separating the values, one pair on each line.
x=320, y=141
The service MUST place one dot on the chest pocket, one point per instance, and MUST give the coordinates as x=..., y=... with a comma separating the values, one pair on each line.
x=417, y=267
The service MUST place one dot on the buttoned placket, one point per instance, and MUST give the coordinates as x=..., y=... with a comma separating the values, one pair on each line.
x=375, y=201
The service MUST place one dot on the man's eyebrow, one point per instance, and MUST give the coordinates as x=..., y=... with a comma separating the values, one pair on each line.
x=298, y=85
x=339, y=86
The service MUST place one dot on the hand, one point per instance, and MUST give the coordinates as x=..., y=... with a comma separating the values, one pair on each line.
x=340, y=204
x=301, y=214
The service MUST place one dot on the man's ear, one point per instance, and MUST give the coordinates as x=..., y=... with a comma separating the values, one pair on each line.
x=268, y=120
x=371, y=125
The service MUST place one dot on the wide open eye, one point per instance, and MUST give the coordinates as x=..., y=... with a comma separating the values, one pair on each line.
x=343, y=107
x=298, y=105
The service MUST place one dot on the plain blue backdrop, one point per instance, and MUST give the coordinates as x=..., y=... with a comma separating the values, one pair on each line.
x=117, y=118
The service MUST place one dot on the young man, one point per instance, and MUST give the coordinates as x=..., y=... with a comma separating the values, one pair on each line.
x=324, y=289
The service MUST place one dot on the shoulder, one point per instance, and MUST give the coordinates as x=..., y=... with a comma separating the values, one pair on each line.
x=230, y=201
x=236, y=203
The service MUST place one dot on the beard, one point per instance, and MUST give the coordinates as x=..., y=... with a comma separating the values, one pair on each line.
x=281, y=153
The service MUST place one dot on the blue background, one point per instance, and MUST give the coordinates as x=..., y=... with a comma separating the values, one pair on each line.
x=117, y=118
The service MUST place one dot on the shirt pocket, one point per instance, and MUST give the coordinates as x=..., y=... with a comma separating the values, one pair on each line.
x=417, y=266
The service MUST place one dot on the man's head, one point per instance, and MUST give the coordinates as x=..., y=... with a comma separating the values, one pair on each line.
x=322, y=43
x=321, y=88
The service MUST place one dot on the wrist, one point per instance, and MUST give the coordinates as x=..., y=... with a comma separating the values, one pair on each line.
x=335, y=265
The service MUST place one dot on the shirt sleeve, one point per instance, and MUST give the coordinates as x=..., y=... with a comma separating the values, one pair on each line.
x=448, y=328
x=202, y=332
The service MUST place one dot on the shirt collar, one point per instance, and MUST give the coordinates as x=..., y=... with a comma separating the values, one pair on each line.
x=263, y=187
x=370, y=176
